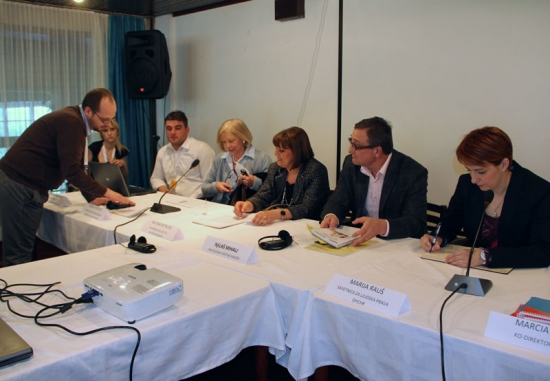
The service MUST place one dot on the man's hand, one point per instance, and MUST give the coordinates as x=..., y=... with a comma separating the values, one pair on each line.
x=330, y=221
x=99, y=201
x=371, y=228
x=117, y=197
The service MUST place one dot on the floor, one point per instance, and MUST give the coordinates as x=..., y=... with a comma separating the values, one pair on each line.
x=241, y=368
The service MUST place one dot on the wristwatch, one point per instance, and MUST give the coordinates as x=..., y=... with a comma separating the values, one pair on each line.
x=483, y=256
x=283, y=214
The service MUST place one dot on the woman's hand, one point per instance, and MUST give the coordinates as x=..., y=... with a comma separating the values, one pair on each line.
x=426, y=243
x=248, y=180
x=266, y=217
x=460, y=258
x=242, y=207
x=223, y=187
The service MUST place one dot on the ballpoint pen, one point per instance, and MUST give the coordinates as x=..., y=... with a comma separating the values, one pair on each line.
x=434, y=239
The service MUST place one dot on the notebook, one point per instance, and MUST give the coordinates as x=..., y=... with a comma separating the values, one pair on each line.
x=12, y=347
x=110, y=176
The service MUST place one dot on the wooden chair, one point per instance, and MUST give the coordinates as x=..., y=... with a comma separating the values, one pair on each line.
x=434, y=214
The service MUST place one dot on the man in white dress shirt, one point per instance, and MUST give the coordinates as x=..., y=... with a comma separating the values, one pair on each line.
x=175, y=158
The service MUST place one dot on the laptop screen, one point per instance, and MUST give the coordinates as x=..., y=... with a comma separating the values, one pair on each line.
x=109, y=175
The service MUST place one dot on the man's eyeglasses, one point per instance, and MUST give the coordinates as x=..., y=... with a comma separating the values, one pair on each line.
x=358, y=147
x=105, y=120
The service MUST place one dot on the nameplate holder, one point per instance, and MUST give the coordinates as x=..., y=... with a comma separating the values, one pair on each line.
x=163, y=230
x=96, y=212
x=230, y=250
x=368, y=295
x=58, y=200
x=524, y=333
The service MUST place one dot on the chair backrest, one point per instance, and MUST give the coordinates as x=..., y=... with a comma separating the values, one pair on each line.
x=434, y=214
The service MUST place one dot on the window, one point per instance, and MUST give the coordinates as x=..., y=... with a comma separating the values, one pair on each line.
x=15, y=117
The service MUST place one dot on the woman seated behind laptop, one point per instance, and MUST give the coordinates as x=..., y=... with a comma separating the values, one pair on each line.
x=296, y=185
x=110, y=150
x=516, y=223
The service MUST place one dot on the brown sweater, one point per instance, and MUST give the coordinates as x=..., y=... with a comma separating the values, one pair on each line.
x=49, y=151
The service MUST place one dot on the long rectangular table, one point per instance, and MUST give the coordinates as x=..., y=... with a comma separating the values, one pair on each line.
x=375, y=346
x=321, y=330
x=221, y=313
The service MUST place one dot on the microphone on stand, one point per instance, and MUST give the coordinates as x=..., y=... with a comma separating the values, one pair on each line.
x=469, y=285
x=163, y=209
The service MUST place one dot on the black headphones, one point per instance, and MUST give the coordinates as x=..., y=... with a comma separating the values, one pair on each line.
x=284, y=240
x=141, y=245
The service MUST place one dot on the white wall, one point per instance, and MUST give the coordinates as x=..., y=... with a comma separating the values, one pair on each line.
x=238, y=62
x=435, y=69
x=438, y=69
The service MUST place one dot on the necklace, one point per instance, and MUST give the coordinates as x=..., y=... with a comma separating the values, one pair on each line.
x=495, y=209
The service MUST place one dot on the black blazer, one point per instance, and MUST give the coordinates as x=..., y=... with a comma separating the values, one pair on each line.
x=403, y=200
x=310, y=190
x=524, y=226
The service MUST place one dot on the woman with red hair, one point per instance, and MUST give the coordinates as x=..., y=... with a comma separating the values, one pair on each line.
x=515, y=230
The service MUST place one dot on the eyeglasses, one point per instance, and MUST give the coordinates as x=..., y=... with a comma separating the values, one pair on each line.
x=230, y=174
x=105, y=120
x=358, y=147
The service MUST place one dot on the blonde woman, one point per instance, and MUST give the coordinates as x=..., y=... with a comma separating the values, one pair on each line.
x=239, y=163
x=110, y=150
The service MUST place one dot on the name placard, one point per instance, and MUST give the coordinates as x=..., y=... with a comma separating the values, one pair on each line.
x=58, y=200
x=163, y=230
x=368, y=295
x=96, y=212
x=230, y=250
x=524, y=333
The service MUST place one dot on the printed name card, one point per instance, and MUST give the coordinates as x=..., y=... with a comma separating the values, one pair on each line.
x=96, y=212
x=524, y=333
x=368, y=295
x=230, y=250
x=58, y=200
x=162, y=230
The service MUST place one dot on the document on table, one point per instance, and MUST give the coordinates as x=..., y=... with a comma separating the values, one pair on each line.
x=219, y=221
x=440, y=257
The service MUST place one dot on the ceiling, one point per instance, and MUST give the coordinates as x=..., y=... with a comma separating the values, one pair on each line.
x=146, y=8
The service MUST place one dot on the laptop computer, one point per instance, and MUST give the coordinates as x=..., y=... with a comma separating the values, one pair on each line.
x=110, y=176
x=12, y=347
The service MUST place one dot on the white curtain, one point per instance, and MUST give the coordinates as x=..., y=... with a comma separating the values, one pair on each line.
x=49, y=58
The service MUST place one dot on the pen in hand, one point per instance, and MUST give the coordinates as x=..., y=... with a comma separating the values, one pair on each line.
x=434, y=239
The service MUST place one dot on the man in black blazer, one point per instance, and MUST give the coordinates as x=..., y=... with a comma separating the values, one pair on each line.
x=385, y=190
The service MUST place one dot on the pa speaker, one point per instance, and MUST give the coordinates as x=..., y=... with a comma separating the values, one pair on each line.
x=289, y=9
x=148, y=71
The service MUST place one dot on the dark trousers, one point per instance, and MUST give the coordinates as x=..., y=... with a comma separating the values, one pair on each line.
x=20, y=216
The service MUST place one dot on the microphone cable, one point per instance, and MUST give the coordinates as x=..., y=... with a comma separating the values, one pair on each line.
x=125, y=223
x=6, y=294
x=463, y=285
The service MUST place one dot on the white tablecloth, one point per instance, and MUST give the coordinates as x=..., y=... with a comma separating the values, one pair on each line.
x=376, y=346
x=322, y=330
x=221, y=313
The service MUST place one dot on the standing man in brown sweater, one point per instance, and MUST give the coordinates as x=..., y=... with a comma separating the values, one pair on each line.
x=50, y=150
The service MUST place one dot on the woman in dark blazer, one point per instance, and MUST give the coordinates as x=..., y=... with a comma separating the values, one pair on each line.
x=515, y=231
x=296, y=185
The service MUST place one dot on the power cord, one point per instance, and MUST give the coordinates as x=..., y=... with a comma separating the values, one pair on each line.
x=127, y=222
x=463, y=285
x=6, y=294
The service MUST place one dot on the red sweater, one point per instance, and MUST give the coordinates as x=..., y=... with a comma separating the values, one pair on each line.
x=49, y=151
